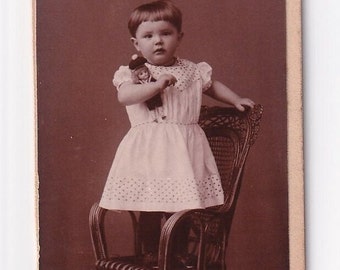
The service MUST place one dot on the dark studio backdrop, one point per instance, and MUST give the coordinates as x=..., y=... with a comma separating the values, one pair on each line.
x=80, y=44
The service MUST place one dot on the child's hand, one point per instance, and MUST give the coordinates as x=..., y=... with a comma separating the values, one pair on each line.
x=166, y=80
x=241, y=103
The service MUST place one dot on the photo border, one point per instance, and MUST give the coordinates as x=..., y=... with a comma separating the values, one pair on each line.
x=295, y=136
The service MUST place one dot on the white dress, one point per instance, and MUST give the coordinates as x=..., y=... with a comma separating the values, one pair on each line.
x=165, y=164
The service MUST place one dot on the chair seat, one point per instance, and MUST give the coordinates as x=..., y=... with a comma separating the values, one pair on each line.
x=122, y=263
x=134, y=263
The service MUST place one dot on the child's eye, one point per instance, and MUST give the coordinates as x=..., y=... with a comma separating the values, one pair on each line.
x=148, y=36
x=166, y=33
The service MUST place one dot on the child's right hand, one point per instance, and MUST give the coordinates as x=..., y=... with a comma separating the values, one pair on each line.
x=166, y=80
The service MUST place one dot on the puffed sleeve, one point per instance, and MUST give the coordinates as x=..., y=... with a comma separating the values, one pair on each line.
x=123, y=74
x=205, y=71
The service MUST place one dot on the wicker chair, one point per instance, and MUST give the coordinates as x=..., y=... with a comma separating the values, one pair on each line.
x=231, y=133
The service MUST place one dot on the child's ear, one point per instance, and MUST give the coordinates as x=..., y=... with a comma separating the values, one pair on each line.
x=135, y=43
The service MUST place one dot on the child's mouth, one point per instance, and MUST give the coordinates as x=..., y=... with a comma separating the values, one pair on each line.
x=159, y=51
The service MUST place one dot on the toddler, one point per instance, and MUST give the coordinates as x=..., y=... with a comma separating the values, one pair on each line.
x=167, y=165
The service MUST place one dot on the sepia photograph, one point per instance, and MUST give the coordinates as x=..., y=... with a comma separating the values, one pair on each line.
x=169, y=134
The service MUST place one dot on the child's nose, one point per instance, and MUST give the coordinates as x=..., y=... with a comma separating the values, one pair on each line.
x=158, y=39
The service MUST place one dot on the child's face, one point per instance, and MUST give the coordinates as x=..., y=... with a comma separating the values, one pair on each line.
x=157, y=41
x=143, y=73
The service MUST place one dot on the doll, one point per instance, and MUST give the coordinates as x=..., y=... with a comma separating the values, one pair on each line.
x=141, y=74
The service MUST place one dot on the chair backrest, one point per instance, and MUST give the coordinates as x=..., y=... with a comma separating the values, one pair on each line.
x=230, y=133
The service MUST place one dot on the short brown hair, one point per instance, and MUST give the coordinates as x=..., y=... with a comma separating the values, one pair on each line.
x=161, y=10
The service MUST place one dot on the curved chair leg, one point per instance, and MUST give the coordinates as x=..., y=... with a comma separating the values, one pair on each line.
x=96, y=218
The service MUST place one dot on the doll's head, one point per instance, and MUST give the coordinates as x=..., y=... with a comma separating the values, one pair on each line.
x=142, y=73
x=155, y=11
x=139, y=70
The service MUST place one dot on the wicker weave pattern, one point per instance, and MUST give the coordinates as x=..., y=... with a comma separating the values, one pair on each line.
x=225, y=152
x=218, y=117
x=117, y=265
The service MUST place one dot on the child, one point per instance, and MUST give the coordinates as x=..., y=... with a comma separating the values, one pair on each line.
x=164, y=166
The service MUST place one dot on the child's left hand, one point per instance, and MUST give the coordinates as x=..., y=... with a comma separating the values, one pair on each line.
x=241, y=103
